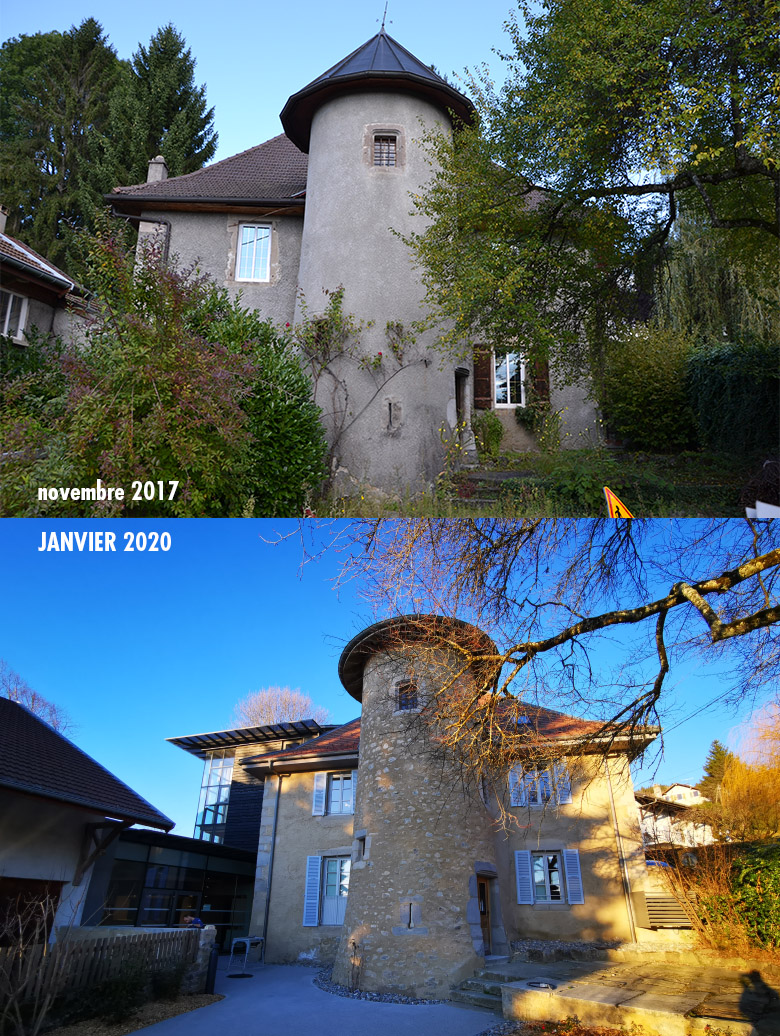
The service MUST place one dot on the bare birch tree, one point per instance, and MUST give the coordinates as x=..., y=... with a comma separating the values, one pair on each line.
x=277, y=705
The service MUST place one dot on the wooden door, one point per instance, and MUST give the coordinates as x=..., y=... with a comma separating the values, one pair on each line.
x=483, y=897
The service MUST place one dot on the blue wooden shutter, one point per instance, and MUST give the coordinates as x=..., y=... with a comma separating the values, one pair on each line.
x=574, y=890
x=517, y=792
x=311, y=896
x=562, y=782
x=354, y=789
x=318, y=799
x=525, y=887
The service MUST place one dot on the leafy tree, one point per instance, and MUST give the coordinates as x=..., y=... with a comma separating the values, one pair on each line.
x=173, y=381
x=277, y=705
x=160, y=110
x=16, y=688
x=54, y=120
x=551, y=215
x=714, y=768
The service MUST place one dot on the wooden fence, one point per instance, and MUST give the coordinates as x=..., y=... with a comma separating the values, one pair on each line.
x=43, y=971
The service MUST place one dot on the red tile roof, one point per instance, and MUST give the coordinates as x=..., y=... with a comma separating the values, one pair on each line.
x=337, y=742
x=21, y=254
x=275, y=170
x=37, y=760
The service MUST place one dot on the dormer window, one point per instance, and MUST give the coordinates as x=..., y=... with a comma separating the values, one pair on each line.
x=385, y=149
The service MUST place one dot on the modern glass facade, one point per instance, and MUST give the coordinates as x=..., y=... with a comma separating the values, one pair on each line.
x=214, y=796
x=155, y=886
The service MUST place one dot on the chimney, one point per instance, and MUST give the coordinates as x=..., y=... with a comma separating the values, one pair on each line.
x=158, y=170
x=4, y=212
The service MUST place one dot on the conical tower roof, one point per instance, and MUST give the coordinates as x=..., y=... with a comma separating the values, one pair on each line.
x=381, y=64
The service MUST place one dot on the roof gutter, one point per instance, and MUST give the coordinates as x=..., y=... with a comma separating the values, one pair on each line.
x=300, y=764
x=147, y=200
x=61, y=283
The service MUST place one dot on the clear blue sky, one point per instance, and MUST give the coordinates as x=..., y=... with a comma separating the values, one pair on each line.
x=253, y=56
x=140, y=647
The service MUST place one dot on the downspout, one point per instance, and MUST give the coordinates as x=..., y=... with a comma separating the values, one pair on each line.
x=621, y=857
x=271, y=863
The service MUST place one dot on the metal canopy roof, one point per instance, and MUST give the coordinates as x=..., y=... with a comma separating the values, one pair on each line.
x=202, y=744
x=381, y=63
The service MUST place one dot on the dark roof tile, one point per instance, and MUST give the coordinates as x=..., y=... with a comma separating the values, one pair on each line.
x=37, y=760
x=273, y=170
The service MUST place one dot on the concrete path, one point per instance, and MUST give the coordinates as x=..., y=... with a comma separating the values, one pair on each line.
x=283, y=1000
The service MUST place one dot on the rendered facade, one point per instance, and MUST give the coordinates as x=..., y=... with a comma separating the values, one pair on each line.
x=322, y=208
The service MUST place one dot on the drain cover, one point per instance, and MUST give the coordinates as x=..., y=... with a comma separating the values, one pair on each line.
x=541, y=984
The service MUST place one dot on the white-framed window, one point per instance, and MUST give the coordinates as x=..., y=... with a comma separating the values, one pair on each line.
x=508, y=379
x=535, y=787
x=334, y=793
x=326, y=891
x=13, y=315
x=548, y=876
x=253, y=252
x=385, y=145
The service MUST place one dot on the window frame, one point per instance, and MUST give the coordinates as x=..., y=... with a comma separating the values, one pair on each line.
x=265, y=277
x=337, y=780
x=19, y=336
x=315, y=886
x=504, y=357
x=536, y=787
x=404, y=692
x=381, y=140
x=572, y=890
x=321, y=803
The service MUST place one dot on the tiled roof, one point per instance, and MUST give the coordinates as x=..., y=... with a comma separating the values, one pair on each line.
x=37, y=760
x=551, y=724
x=21, y=254
x=337, y=742
x=275, y=170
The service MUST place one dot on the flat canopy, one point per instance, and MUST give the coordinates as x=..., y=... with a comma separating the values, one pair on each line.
x=382, y=64
x=203, y=744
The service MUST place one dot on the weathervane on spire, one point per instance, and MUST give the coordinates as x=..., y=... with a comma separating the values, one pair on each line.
x=384, y=16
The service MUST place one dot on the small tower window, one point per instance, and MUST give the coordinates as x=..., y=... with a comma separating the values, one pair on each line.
x=406, y=696
x=384, y=149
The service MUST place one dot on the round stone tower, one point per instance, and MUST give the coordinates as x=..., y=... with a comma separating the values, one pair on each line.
x=384, y=398
x=423, y=856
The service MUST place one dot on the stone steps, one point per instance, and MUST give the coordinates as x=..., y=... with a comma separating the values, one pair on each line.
x=473, y=997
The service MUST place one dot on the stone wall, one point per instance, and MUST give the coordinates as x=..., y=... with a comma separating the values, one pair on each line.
x=411, y=924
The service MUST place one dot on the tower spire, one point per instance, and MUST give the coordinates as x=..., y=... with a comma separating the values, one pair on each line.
x=384, y=16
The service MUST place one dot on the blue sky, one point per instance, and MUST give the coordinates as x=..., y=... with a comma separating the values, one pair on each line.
x=253, y=56
x=139, y=647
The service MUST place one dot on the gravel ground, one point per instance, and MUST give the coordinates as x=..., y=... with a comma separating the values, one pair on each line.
x=324, y=982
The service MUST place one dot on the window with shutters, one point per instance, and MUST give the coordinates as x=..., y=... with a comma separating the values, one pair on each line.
x=326, y=891
x=535, y=788
x=548, y=877
x=334, y=793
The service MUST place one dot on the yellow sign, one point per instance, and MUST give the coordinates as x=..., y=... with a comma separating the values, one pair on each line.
x=616, y=508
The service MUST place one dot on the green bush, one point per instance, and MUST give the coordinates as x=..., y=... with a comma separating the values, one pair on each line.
x=174, y=381
x=643, y=390
x=733, y=389
x=166, y=982
x=755, y=884
x=488, y=432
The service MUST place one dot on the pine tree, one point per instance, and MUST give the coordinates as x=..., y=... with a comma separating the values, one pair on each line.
x=160, y=110
x=714, y=768
x=56, y=97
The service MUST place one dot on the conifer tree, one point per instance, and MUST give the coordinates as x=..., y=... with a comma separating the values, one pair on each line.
x=714, y=768
x=54, y=115
x=160, y=110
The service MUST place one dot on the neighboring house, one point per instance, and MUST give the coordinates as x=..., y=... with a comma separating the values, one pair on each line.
x=324, y=206
x=371, y=855
x=34, y=294
x=667, y=819
x=59, y=810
